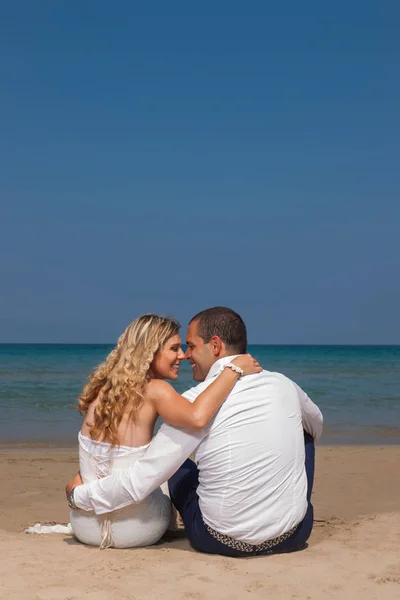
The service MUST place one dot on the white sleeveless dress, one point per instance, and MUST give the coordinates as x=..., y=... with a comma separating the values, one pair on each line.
x=133, y=526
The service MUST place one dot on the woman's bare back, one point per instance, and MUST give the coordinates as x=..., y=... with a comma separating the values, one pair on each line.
x=131, y=432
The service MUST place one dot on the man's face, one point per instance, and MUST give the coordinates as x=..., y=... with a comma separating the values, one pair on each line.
x=200, y=354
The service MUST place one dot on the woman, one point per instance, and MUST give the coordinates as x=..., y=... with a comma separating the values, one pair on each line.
x=121, y=403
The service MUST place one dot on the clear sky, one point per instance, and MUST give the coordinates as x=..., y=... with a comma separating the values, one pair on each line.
x=171, y=156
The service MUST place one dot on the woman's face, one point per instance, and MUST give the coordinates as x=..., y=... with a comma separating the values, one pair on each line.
x=167, y=360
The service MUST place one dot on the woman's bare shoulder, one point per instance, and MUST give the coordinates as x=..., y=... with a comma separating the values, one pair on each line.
x=158, y=389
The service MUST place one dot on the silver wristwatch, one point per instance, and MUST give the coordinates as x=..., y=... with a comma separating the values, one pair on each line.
x=70, y=499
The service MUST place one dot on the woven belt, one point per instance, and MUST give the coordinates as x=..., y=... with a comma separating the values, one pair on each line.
x=243, y=546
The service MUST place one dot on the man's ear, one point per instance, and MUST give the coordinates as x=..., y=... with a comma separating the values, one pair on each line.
x=216, y=345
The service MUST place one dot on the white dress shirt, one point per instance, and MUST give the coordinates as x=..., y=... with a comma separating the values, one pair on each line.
x=252, y=480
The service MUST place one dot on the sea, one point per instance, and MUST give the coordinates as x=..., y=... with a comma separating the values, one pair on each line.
x=356, y=387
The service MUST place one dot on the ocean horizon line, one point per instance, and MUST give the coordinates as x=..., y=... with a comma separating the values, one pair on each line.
x=270, y=345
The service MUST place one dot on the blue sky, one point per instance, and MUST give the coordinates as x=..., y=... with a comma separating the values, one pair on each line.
x=172, y=156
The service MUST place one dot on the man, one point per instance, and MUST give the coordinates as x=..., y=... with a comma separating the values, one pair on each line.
x=250, y=492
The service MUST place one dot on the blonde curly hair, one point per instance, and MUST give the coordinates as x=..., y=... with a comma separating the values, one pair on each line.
x=120, y=381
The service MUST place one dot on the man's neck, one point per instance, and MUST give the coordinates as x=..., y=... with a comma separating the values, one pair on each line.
x=219, y=365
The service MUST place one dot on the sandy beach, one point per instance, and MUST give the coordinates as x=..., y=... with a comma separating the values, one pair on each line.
x=354, y=551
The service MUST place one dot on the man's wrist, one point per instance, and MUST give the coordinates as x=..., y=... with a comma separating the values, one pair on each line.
x=71, y=499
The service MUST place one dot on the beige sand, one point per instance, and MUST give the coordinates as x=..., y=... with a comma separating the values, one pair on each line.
x=353, y=553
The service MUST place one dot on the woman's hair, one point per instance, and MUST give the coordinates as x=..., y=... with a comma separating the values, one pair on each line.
x=120, y=381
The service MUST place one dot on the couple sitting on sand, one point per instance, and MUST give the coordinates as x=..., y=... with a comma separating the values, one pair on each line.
x=252, y=433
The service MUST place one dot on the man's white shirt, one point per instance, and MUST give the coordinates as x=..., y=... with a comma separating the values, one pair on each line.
x=252, y=479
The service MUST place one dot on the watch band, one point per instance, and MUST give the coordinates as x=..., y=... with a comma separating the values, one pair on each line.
x=71, y=500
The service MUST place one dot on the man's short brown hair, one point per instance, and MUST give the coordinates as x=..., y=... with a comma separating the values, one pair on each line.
x=226, y=324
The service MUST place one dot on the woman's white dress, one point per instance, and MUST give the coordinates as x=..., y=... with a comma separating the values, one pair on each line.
x=135, y=525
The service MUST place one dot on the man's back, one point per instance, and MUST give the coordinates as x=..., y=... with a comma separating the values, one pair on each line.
x=252, y=481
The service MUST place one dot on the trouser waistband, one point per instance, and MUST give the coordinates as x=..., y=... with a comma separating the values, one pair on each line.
x=229, y=541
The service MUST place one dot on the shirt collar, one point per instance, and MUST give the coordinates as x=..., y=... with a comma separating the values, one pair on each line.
x=219, y=365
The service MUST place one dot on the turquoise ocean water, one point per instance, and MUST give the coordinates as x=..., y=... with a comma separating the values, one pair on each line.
x=356, y=387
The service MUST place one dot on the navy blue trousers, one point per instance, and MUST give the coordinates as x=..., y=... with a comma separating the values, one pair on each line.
x=183, y=491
